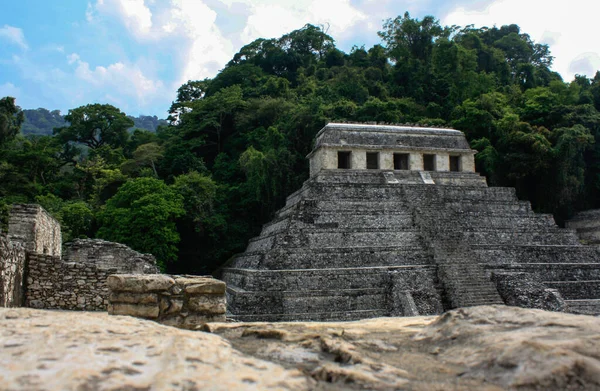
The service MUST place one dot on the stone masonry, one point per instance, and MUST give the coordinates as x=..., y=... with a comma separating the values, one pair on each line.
x=55, y=284
x=12, y=270
x=109, y=255
x=33, y=273
x=32, y=226
x=181, y=301
x=78, y=280
x=394, y=221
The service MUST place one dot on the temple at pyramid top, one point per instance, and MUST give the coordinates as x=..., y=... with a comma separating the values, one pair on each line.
x=390, y=147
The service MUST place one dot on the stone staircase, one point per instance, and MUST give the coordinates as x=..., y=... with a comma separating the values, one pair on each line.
x=464, y=282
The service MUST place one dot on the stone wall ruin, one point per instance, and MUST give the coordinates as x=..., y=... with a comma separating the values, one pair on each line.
x=35, y=229
x=34, y=273
x=12, y=270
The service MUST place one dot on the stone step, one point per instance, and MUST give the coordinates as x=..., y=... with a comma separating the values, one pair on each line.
x=326, y=316
x=513, y=253
x=301, y=258
x=558, y=271
x=348, y=238
x=357, y=257
x=322, y=279
x=576, y=290
x=584, y=307
x=485, y=208
x=319, y=239
x=254, y=303
x=414, y=194
x=352, y=219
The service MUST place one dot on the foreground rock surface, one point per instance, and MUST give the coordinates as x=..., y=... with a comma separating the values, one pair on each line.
x=52, y=350
x=483, y=348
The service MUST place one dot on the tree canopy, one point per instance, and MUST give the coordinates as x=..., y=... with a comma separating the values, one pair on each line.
x=196, y=189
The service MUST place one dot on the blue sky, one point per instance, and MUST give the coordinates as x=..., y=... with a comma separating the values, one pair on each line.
x=134, y=54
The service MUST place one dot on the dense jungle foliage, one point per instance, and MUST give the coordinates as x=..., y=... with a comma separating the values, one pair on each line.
x=195, y=191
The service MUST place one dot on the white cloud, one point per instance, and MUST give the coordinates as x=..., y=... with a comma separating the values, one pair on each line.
x=190, y=24
x=567, y=29
x=126, y=80
x=9, y=89
x=136, y=16
x=273, y=18
x=14, y=35
x=206, y=49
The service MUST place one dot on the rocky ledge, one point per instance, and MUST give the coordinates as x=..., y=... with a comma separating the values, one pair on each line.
x=484, y=348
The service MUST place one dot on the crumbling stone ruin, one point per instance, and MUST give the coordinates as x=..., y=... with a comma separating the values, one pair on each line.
x=109, y=255
x=32, y=226
x=12, y=270
x=181, y=301
x=587, y=226
x=394, y=221
x=34, y=273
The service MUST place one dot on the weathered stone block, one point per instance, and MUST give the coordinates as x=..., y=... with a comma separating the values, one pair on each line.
x=209, y=304
x=194, y=321
x=137, y=310
x=140, y=283
x=131, y=298
x=201, y=285
x=170, y=305
x=175, y=298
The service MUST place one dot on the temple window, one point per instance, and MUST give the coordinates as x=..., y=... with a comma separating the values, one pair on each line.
x=372, y=160
x=429, y=162
x=401, y=161
x=344, y=159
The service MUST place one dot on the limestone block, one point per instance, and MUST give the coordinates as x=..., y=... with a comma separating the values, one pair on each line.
x=467, y=163
x=140, y=283
x=442, y=162
x=193, y=321
x=209, y=304
x=416, y=161
x=132, y=298
x=329, y=158
x=386, y=160
x=140, y=311
x=202, y=285
x=169, y=305
x=358, y=159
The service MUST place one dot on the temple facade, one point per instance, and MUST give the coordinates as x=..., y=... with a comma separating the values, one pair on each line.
x=394, y=221
x=365, y=147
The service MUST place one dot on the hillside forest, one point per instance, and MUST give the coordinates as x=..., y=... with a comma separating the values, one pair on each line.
x=193, y=191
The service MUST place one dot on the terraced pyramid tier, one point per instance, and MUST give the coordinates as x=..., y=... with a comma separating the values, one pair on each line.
x=350, y=244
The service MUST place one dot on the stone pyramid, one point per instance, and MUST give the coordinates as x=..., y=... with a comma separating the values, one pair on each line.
x=394, y=221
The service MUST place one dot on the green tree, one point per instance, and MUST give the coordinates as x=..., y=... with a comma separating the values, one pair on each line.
x=94, y=126
x=142, y=215
x=11, y=118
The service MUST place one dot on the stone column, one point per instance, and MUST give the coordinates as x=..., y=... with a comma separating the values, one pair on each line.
x=386, y=160
x=416, y=161
x=467, y=163
x=442, y=162
x=359, y=159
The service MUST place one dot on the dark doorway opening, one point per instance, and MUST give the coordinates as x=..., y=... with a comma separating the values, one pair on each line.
x=372, y=160
x=401, y=161
x=429, y=162
x=454, y=163
x=344, y=159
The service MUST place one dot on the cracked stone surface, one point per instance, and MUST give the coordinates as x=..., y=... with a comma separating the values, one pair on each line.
x=59, y=350
x=482, y=348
